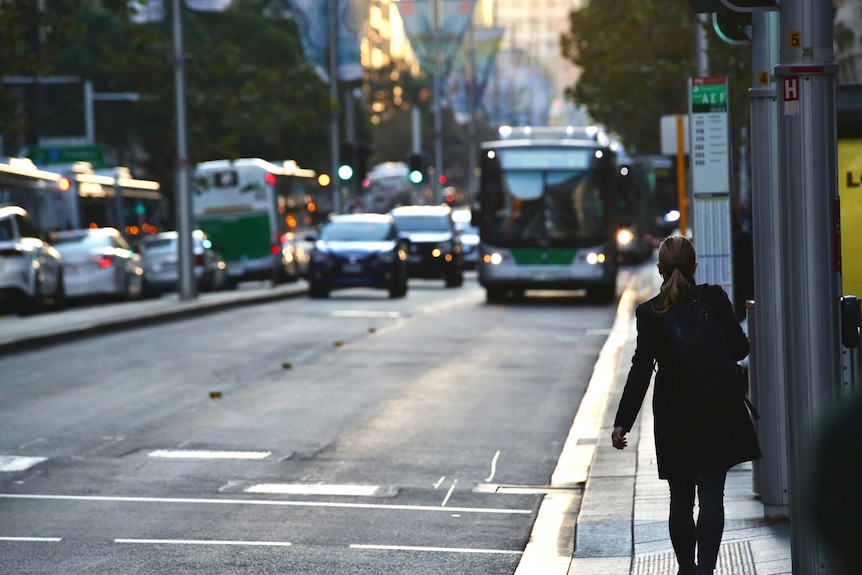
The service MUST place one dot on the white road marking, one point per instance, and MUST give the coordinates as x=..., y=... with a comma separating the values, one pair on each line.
x=208, y=454
x=271, y=503
x=449, y=493
x=365, y=313
x=439, y=482
x=493, y=466
x=313, y=489
x=18, y=462
x=204, y=542
x=33, y=539
x=436, y=549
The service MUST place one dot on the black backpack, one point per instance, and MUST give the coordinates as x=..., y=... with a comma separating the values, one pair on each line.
x=700, y=353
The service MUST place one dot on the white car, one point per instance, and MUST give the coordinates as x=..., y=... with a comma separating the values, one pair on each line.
x=160, y=259
x=469, y=237
x=98, y=262
x=31, y=270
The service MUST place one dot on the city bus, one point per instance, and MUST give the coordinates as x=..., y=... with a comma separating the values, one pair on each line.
x=248, y=207
x=546, y=213
x=76, y=196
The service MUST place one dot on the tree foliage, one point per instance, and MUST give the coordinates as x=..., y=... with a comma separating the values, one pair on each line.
x=636, y=57
x=249, y=92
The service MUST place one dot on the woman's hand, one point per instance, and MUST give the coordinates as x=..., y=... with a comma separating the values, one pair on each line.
x=618, y=437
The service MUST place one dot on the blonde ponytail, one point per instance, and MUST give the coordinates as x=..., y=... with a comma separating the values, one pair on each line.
x=676, y=262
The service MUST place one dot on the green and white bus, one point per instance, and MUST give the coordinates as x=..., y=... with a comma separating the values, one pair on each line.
x=546, y=212
x=247, y=207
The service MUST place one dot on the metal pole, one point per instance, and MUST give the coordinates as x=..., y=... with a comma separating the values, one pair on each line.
x=471, y=109
x=768, y=366
x=332, y=9
x=701, y=41
x=436, y=19
x=350, y=139
x=89, y=117
x=416, y=117
x=184, y=219
x=810, y=283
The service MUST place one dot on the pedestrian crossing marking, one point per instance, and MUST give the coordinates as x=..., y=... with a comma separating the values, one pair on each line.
x=10, y=463
x=207, y=454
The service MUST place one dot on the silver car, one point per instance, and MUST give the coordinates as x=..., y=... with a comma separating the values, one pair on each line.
x=160, y=257
x=31, y=270
x=99, y=262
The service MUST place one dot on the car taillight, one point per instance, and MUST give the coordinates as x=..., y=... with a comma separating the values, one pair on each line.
x=199, y=260
x=105, y=262
x=275, y=249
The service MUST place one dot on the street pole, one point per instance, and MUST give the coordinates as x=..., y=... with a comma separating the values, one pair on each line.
x=810, y=258
x=436, y=18
x=186, y=286
x=767, y=348
x=335, y=183
x=471, y=110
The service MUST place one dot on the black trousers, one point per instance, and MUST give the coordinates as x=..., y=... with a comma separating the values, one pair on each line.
x=705, y=534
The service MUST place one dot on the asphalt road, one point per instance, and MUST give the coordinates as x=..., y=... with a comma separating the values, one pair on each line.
x=351, y=435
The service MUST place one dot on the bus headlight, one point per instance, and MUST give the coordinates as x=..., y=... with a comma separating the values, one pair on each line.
x=594, y=258
x=493, y=258
x=625, y=237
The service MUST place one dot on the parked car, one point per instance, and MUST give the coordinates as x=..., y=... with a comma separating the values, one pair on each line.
x=469, y=237
x=435, y=246
x=31, y=269
x=98, y=262
x=354, y=250
x=160, y=257
x=295, y=256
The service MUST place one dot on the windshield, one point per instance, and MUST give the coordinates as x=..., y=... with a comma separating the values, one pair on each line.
x=357, y=232
x=82, y=241
x=543, y=204
x=422, y=223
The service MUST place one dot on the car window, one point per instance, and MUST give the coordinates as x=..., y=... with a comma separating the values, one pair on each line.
x=7, y=232
x=83, y=241
x=27, y=228
x=158, y=244
x=423, y=223
x=357, y=231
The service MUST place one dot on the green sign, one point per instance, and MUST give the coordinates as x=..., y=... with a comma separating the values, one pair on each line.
x=708, y=98
x=48, y=155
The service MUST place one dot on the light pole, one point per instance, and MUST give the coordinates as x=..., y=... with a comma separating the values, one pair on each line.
x=181, y=190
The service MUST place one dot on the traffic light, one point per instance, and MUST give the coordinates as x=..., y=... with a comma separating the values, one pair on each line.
x=733, y=27
x=347, y=161
x=417, y=167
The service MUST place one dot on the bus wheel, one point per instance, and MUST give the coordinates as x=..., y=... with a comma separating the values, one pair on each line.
x=603, y=295
x=496, y=294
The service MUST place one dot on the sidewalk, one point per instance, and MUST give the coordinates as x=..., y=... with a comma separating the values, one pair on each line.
x=622, y=524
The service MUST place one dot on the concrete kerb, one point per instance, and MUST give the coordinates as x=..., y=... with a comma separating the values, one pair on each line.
x=144, y=317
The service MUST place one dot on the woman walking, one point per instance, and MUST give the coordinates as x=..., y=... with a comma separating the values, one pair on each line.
x=696, y=443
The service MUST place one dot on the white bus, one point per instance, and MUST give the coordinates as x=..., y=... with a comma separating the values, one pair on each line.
x=246, y=206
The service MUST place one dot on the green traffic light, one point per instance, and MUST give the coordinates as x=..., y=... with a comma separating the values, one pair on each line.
x=345, y=172
x=415, y=177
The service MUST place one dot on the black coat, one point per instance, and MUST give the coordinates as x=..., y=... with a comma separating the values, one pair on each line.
x=687, y=439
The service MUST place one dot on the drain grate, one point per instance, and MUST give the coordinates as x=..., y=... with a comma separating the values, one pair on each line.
x=733, y=559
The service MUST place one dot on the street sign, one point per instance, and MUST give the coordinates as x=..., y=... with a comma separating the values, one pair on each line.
x=48, y=155
x=710, y=176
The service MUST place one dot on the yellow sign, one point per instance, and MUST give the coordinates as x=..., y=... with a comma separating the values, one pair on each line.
x=850, y=193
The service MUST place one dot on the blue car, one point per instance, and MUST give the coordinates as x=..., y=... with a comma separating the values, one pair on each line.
x=358, y=250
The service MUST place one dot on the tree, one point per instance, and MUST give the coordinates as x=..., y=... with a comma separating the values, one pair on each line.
x=636, y=56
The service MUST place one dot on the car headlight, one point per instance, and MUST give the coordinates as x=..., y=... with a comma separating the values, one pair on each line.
x=625, y=237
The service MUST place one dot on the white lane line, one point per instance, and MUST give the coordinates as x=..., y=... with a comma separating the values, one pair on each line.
x=19, y=462
x=436, y=549
x=203, y=542
x=366, y=313
x=207, y=454
x=33, y=539
x=493, y=466
x=439, y=482
x=271, y=503
x=449, y=493
x=313, y=489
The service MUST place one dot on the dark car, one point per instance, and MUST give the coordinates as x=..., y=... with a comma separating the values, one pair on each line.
x=435, y=244
x=358, y=250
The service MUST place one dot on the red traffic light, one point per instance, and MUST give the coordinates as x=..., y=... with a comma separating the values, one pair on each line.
x=442, y=179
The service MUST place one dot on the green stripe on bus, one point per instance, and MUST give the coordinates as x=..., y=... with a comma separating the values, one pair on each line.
x=238, y=236
x=539, y=256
